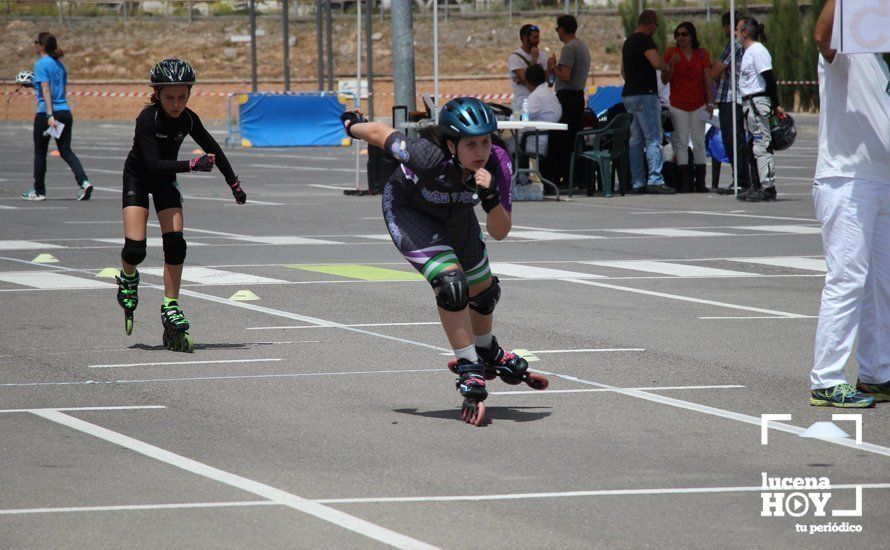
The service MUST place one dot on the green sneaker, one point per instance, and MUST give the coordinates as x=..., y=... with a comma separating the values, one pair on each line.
x=880, y=392
x=843, y=395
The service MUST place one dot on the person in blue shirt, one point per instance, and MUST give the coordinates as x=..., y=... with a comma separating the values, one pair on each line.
x=50, y=79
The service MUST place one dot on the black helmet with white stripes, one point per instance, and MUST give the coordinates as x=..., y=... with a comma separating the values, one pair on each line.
x=172, y=72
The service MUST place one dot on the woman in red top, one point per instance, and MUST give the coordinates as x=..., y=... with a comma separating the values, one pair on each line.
x=692, y=103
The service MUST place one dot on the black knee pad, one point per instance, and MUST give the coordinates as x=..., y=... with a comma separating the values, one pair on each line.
x=133, y=252
x=484, y=302
x=174, y=248
x=452, y=290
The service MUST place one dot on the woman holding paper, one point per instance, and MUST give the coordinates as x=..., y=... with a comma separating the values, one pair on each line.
x=53, y=119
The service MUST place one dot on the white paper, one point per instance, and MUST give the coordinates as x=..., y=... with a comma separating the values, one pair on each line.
x=55, y=131
x=861, y=26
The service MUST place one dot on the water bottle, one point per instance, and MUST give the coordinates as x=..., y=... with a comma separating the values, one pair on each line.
x=524, y=117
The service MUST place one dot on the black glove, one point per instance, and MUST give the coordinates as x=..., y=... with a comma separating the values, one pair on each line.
x=204, y=163
x=349, y=118
x=490, y=198
x=239, y=194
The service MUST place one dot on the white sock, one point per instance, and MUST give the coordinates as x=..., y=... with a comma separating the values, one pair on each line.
x=468, y=353
x=483, y=340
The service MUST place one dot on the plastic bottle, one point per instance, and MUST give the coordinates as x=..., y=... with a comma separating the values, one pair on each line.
x=524, y=117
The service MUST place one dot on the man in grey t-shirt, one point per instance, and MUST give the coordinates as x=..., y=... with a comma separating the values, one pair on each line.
x=571, y=77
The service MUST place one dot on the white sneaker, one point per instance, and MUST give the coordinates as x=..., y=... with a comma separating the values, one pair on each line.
x=83, y=194
x=32, y=195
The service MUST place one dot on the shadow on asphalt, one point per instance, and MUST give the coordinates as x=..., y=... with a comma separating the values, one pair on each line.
x=492, y=414
x=245, y=345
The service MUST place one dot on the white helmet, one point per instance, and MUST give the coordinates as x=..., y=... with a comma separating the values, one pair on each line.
x=25, y=78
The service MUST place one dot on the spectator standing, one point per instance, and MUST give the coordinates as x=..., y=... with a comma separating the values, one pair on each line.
x=851, y=193
x=760, y=101
x=526, y=56
x=53, y=112
x=639, y=61
x=723, y=97
x=692, y=102
x=571, y=72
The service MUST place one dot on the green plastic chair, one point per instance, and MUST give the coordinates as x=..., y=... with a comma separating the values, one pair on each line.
x=616, y=136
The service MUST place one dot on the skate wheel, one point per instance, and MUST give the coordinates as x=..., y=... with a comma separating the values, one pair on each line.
x=512, y=380
x=537, y=381
x=187, y=343
x=479, y=417
x=169, y=341
x=128, y=324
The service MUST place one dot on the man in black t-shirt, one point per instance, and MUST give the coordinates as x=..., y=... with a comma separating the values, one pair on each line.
x=639, y=61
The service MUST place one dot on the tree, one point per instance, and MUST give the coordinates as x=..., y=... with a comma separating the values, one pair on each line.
x=786, y=44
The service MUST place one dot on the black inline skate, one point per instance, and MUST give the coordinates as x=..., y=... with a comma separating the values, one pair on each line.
x=471, y=384
x=511, y=368
x=176, y=326
x=128, y=297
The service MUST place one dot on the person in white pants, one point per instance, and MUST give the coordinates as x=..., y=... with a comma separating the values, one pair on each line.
x=852, y=197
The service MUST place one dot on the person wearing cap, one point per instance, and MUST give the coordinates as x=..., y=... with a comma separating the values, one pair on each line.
x=526, y=55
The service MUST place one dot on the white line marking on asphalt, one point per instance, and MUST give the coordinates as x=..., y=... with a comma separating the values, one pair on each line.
x=336, y=187
x=188, y=197
x=305, y=168
x=210, y=378
x=291, y=500
x=2, y=207
x=670, y=232
x=668, y=268
x=207, y=231
x=587, y=350
x=868, y=447
x=138, y=507
x=684, y=298
x=531, y=272
x=566, y=494
x=730, y=214
x=207, y=276
x=169, y=363
x=603, y=390
x=284, y=239
x=50, y=280
x=150, y=242
x=355, y=325
x=801, y=229
x=109, y=408
x=26, y=245
x=794, y=262
x=763, y=317
x=551, y=236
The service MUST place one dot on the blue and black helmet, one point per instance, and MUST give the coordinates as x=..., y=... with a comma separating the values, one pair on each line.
x=466, y=117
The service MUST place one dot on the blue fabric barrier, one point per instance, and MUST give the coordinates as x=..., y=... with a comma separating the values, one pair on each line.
x=282, y=120
x=601, y=98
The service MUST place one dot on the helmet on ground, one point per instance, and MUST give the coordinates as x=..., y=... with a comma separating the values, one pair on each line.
x=466, y=117
x=783, y=132
x=172, y=72
x=25, y=78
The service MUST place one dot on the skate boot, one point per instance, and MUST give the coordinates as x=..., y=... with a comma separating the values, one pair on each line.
x=176, y=326
x=471, y=384
x=510, y=367
x=128, y=297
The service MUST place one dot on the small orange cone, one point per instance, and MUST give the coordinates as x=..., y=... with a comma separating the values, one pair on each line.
x=55, y=153
x=197, y=152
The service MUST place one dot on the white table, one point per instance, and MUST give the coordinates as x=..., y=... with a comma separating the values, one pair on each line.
x=516, y=127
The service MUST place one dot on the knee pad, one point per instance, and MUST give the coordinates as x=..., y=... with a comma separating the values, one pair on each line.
x=484, y=302
x=174, y=248
x=452, y=290
x=133, y=252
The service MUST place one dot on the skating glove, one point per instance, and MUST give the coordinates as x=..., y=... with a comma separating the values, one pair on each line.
x=240, y=195
x=204, y=163
x=490, y=198
x=352, y=117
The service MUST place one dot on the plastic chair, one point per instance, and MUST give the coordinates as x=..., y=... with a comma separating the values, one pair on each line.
x=609, y=147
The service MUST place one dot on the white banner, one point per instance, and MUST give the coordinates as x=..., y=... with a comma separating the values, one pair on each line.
x=861, y=26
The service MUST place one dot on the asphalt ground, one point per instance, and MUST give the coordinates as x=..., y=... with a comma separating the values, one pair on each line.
x=321, y=415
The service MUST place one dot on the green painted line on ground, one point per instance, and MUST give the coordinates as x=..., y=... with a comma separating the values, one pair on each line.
x=363, y=272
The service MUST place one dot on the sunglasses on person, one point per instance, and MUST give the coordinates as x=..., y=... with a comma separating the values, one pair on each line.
x=679, y=34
